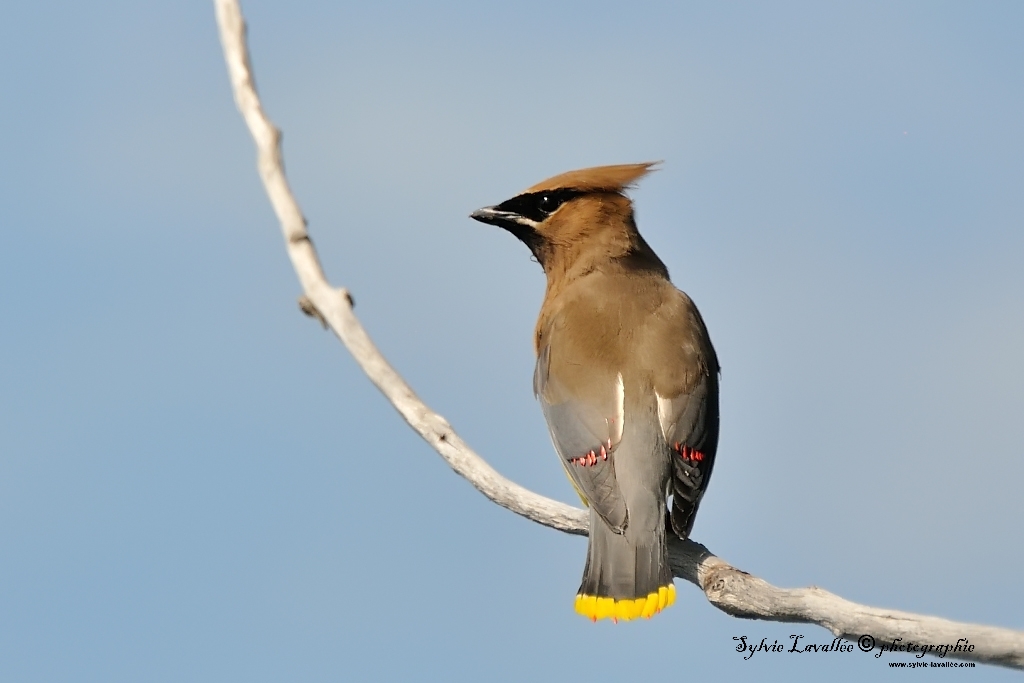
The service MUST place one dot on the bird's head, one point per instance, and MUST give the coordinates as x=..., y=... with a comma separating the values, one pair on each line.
x=574, y=216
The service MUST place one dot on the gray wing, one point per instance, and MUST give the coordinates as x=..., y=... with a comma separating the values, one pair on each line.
x=586, y=428
x=689, y=421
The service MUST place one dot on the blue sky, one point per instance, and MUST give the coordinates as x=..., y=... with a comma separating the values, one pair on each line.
x=196, y=483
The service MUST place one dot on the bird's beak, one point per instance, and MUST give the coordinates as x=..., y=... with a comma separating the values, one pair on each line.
x=503, y=219
x=489, y=214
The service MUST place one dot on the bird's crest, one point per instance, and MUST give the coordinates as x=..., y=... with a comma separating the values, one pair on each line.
x=597, y=179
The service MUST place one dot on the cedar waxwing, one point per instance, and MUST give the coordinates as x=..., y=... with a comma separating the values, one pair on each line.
x=626, y=377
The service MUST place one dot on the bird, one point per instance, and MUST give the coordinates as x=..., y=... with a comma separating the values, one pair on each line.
x=626, y=377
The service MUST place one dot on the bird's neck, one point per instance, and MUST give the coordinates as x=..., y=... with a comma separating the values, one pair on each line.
x=629, y=255
x=601, y=275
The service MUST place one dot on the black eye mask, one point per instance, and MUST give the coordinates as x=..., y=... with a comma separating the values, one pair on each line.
x=537, y=206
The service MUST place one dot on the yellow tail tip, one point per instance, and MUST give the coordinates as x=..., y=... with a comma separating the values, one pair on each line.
x=594, y=607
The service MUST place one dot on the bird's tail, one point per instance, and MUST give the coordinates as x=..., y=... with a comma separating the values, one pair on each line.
x=624, y=579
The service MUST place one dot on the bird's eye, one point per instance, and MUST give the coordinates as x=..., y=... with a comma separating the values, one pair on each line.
x=548, y=203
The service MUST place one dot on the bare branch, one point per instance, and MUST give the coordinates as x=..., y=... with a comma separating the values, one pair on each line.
x=727, y=588
x=743, y=595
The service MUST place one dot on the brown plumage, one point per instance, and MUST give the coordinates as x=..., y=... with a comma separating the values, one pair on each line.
x=606, y=178
x=626, y=376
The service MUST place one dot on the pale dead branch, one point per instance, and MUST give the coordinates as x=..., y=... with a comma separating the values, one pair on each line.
x=731, y=590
